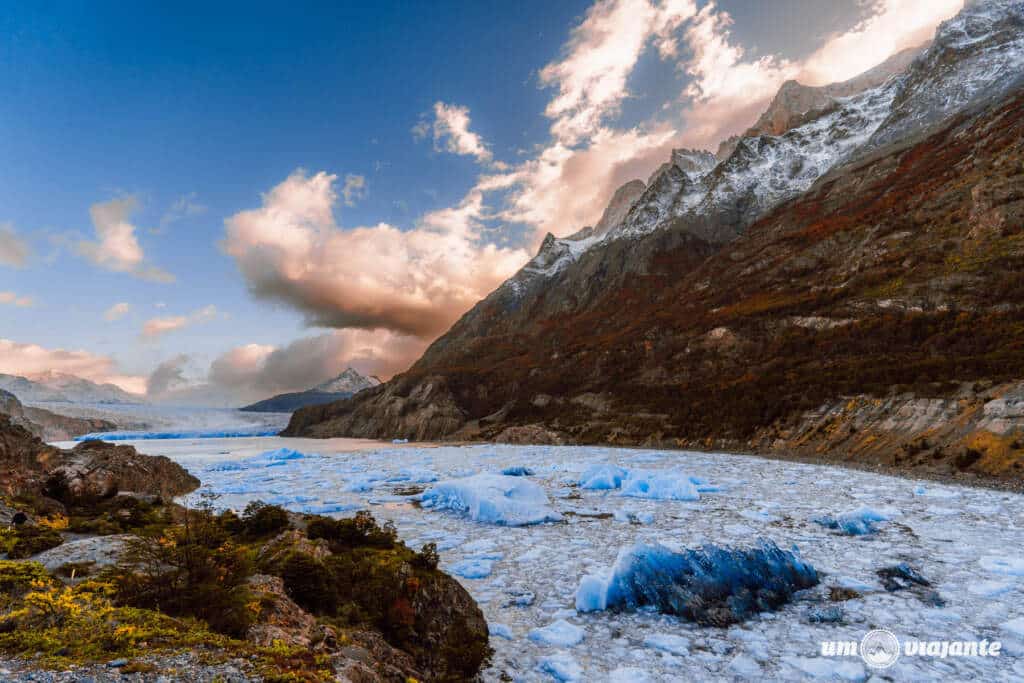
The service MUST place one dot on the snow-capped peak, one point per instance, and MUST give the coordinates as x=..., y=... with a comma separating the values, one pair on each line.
x=350, y=381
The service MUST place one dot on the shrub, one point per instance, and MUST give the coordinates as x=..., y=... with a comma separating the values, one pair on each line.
x=260, y=520
x=32, y=540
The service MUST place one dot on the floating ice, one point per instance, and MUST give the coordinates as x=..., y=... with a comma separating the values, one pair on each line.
x=857, y=522
x=828, y=667
x=629, y=674
x=633, y=517
x=1013, y=566
x=500, y=631
x=559, y=633
x=602, y=477
x=493, y=499
x=667, y=642
x=561, y=666
x=473, y=568
x=659, y=485
x=710, y=585
x=517, y=471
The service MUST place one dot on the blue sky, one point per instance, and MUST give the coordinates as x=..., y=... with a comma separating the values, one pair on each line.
x=193, y=112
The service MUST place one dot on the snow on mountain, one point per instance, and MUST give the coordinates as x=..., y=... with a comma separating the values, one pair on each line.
x=806, y=132
x=58, y=387
x=350, y=381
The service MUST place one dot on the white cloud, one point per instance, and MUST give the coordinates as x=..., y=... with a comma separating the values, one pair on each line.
x=117, y=311
x=12, y=299
x=599, y=57
x=451, y=132
x=14, y=251
x=156, y=327
x=167, y=376
x=354, y=189
x=414, y=282
x=185, y=206
x=32, y=359
x=116, y=247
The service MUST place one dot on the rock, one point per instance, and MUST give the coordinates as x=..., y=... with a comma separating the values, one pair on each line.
x=274, y=551
x=47, y=425
x=280, y=619
x=97, y=551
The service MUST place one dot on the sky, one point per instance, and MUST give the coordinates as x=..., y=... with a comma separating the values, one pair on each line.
x=215, y=202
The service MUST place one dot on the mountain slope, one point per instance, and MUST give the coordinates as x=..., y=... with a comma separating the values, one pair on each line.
x=746, y=306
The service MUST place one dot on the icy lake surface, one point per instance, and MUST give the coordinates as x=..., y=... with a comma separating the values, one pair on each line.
x=968, y=543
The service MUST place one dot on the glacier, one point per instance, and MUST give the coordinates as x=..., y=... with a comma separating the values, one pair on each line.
x=493, y=499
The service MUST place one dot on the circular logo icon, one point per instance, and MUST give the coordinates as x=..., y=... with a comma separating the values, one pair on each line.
x=880, y=649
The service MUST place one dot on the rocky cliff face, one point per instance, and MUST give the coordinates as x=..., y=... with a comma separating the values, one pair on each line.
x=873, y=250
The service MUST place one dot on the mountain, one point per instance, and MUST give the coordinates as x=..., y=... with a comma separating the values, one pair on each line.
x=49, y=426
x=847, y=288
x=57, y=387
x=344, y=385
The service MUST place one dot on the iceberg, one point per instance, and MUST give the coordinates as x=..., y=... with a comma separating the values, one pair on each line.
x=517, y=471
x=711, y=585
x=602, y=477
x=559, y=633
x=493, y=499
x=858, y=522
x=659, y=485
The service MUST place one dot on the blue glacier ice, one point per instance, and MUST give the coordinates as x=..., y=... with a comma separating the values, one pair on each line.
x=493, y=499
x=659, y=485
x=259, y=430
x=517, y=471
x=857, y=522
x=602, y=477
x=710, y=585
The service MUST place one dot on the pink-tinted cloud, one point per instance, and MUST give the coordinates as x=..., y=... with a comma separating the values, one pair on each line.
x=255, y=371
x=27, y=360
x=12, y=299
x=156, y=327
x=14, y=251
x=414, y=282
x=116, y=246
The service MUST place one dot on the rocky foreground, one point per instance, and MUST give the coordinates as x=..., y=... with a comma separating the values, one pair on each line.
x=104, y=576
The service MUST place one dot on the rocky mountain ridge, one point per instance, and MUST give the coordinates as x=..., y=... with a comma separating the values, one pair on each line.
x=733, y=303
x=47, y=425
x=346, y=384
x=58, y=387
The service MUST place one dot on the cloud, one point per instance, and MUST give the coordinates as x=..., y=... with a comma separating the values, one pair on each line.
x=12, y=299
x=599, y=57
x=117, y=248
x=893, y=25
x=451, y=132
x=156, y=327
x=256, y=371
x=185, y=206
x=167, y=376
x=14, y=251
x=32, y=359
x=414, y=282
x=354, y=189
x=117, y=311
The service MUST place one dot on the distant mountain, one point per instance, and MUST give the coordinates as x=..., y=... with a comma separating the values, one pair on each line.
x=58, y=387
x=344, y=385
x=844, y=280
x=49, y=426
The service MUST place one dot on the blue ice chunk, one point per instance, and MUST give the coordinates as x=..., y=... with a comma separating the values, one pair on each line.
x=710, y=585
x=283, y=454
x=473, y=568
x=328, y=508
x=493, y=499
x=517, y=471
x=825, y=615
x=558, y=633
x=561, y=666
x=602, y=477
x=500, y=631
x=227, y=467
x=399, y=441
x=668, y=642
x=854, y=523
x=659, y=485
